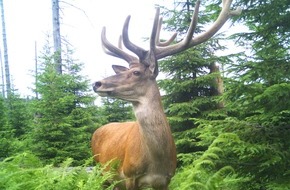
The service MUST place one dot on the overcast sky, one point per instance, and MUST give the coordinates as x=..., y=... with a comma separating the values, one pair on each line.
x=30, y=21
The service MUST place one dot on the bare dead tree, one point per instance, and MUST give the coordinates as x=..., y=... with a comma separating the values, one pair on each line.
x=6, y=62
x=2, y=75
x=36, y=69
x=56, y=36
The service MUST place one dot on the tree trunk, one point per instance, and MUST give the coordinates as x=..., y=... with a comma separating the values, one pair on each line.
x=218, y=87
x=2, y=75
x=36, y=70
x=6, y=63
x=56, y=36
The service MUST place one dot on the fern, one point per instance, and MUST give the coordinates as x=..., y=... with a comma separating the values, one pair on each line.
x=19, y=173
x=217, y=178
x=194, y=186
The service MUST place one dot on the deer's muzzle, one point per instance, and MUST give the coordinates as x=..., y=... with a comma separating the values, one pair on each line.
x=97, y=85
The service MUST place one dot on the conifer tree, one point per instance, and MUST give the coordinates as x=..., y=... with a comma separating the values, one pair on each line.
x=114, y=110
x=258, y=94
x=5, y=131
x=20, y=115
x=65, y=111
x=15, y=124
x=252, y=135
x=191, y=86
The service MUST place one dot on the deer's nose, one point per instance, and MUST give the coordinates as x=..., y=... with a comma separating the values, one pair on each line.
x=96, y=85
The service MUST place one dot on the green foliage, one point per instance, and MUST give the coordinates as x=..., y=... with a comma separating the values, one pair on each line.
x=115, y=110
x=205, y=171
x=258, y=96
x=274, y=98
x=64, y=114
x=269, y=32
x=20, y=115
x=25, y=171
x=15, y=124
x=5, y=131
x=244, y=145
x=258, y=153
x=250, y=134
x=190, y=85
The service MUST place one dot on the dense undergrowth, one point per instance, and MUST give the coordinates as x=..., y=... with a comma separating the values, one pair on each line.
x=25, y=171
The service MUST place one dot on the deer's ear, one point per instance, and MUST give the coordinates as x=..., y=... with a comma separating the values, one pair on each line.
x=153, y=65
x=118, y=69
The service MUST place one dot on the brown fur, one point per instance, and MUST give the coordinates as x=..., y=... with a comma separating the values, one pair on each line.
x=121, y=143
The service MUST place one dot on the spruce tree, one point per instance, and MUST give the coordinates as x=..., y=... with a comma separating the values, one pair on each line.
x=191, y=90
x=114, y=110
x=253, y=136
x=15, y=124
x=20, y=114
x=64, y=113
x=258, y=94
x=5, y=131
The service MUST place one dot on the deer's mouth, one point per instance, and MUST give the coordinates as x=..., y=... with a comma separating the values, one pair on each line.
x=104, y=93
x=101, y=91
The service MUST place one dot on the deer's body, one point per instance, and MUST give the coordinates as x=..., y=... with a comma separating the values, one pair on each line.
x=144, y=150
x=139, y=167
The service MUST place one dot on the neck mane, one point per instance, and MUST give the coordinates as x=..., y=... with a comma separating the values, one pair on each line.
x=153, y=123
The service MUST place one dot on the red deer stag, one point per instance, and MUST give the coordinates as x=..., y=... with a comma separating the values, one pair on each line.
x=144, y=149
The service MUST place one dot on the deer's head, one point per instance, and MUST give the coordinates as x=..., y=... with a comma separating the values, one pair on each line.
x=134, y=83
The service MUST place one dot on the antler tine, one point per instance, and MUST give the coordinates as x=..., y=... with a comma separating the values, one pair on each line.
x=189, y=40
x=140, y=52
x=157, y=39
x=166, y=43
x=109, y=52
x=224, y=15
x=120, y=42
x=103, y=37
x=227, y=3
x=193, y=24
x=110, y=49
x=155, y=31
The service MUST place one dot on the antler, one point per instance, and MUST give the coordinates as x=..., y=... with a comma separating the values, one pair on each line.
x=190, y=41
x=112, y=50
x=160, y=49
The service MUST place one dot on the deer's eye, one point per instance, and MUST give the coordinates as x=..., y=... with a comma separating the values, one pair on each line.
x=136, y=73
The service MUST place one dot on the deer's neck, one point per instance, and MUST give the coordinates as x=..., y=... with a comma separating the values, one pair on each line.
x=155, y=129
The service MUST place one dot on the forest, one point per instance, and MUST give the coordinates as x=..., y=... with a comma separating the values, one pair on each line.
x=229, y=112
